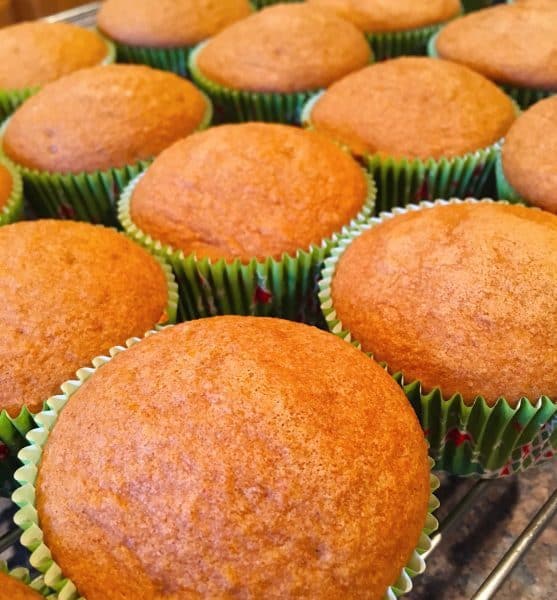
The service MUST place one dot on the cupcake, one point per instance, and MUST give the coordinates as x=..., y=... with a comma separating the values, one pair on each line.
x=68, y=292
x=263, y=68
x=395, y=27
x=457, y=299
x=245, y=213
x=514, y=45
x=527, y=170
x=265, y=454
x=426, y=128
x=13, y=589
x=161, y=34
x=37, y=53
x=82, y=138
x=11, y=193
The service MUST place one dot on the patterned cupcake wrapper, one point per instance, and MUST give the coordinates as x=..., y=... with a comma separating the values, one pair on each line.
x=408, y=181
x=22, y=574
x=13, y=209
x=174, y=60
x=27, y=517
x=285, y=287
x=88, y=197
x=505, y=190
x=231, y=105
x=524, y=97
x=477, y=439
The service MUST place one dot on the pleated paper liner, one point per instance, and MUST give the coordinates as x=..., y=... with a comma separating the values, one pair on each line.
x=401, y=43
x=285, y=287
x=408, y=181
x=477, y=439
x=22, y=574
x=522, y=96
x=505, y=190
x=88, y=197
x=28, y=520
x=13, y=209
x=174, y=60
x=471, y=5
x=258, y=4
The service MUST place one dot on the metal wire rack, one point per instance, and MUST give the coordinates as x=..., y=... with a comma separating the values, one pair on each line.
x=459, y=498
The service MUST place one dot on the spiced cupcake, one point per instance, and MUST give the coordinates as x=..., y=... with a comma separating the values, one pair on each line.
x=245, y=214
x=14, y=589
x=79, y=140
x=11, y=193
x=395, y=27
x=457, y=299
x=238, y=432
x=264, y=68
x=514, y=45
x=162, y=34
x=37, y=53
x=426, y=128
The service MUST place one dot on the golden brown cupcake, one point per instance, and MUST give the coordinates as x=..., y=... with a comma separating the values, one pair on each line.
x=101, y=118
x=168, y=23
x=37, y=53
x=12, y=589
x=459, y=297
x=266, y=455
x=284, y=48
x=528, y=156
x=6, y=186
x=248, y=191
x=414, y=107
x=69, y=291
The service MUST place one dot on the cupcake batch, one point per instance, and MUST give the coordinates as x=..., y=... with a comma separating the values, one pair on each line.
x=264, y=268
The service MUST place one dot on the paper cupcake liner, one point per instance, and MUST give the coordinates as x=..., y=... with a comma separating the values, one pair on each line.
x=88, y=197
x=408, y=181
x=258, y=4
x=283, y=287
x=13, y=209
x=231, y=105
x=174, y=60
x=22, y=574
x=477, y=439
x=505, y=190
x=27, y=517
x=401, y=43
x=470, y=5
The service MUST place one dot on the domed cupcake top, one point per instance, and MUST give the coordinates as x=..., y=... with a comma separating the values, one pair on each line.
x=392, y=15
x=284, y=48
x=266, y=455
x=168, y=23
x=36, y=53
x=514, y=44
x=459, y=296
x=247, y=191
x=415, y=108
x=16, y=590
x=68, y=292
x=102, y=118
x=6, y=186
x=529, y=155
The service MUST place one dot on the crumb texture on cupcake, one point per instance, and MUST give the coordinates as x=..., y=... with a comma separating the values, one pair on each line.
x=168, y=23
x=102, y=118
x=414, y=107
x=284, y=48
x=379, y=16
x=261, y=458
x=12, y=589
x=460, y=296
x=6, y=186
x=514, y=44
x=37, y=53
x=248, y=191
x=530, y=155
x=68, y=292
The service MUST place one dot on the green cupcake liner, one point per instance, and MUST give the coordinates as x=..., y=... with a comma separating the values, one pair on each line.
x=401, y=43
x=231, y=105
x=505, y=190
x=27, y=517
x=464, y=439
x=13, y=209
x=408, y=181
x=471, y=5
x=280, y=288
x=37, y=584
x=258, y=4
x=524, y=97
x=87, y=197
x=174, y=60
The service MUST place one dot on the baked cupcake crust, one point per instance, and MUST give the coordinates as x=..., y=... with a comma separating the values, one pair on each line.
x=102, y=118
x=69, y=292
x=515, y=44
x=168, y=23
x=266, y=455
x=379, y=16
x=37, y=53
x=529, y=155
x=457, y=296
x=284, y=48
x=6, y=186
x=16, y=590
x=414, y=107
x=248, y=191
